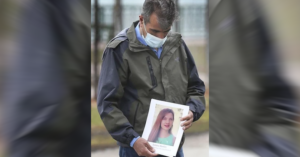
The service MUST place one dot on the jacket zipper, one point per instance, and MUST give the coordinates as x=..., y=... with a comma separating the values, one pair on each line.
x=161, y=73
x=153, y=78
x=135, y=114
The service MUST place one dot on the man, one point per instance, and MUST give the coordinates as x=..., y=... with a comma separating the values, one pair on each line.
x=143, y=62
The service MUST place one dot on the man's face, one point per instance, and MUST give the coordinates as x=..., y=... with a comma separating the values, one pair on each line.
x=153, y=27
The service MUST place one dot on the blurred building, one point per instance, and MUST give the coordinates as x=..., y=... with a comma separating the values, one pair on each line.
x=191, y=17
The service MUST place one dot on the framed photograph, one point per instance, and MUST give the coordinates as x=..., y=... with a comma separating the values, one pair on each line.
x=162, y=129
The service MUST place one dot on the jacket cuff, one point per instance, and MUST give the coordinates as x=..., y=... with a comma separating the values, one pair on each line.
x=133, y=141
x=192, y=108
x=130, y=135
x=197, y=110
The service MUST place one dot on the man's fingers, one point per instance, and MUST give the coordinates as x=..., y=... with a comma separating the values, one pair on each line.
x=150, y=148
x=187, y=126
x=186, y=117
x=149, y=153
x=187, y=122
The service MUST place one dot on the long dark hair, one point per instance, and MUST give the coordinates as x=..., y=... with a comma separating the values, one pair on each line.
x=157, y=125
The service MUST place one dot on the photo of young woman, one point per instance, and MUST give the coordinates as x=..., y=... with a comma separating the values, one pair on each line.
x=162, y=129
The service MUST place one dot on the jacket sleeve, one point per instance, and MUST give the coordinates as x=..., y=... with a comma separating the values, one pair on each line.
x=196, y=87
x=112, y=79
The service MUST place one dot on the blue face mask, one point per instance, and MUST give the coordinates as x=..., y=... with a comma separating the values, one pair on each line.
x=152, y=40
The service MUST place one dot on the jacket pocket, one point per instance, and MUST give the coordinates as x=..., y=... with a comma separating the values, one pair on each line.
x=153, y=78
x=135, y=113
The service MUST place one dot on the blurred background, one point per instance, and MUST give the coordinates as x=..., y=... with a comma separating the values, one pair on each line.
x=45, y=78
x=8, y=11
x=114, y=16
x=254, y=78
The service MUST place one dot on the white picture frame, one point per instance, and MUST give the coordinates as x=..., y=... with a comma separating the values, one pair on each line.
x=159, y=116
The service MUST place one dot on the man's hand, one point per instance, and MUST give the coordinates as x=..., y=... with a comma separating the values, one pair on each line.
x=188, y=120
x=143, y=148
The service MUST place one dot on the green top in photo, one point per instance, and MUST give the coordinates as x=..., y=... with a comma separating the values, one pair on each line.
x=167, y=140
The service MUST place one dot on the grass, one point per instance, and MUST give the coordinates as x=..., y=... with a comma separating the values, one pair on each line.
x=96, y=120
x=100, y=137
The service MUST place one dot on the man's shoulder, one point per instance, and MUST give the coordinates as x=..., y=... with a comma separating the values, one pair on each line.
x=117, y=45
x=177, y=35
x=118, y=39
x=174, y=35
x=116, y=42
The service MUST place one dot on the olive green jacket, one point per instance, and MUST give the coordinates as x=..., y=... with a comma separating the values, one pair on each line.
x=132, y=75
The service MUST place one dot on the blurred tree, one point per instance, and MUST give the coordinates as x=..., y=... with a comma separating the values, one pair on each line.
x=8, y=11
x=96, y=41
x=5, y=9
x=117, y=24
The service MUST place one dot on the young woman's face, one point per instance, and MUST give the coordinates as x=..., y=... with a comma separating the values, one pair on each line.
x=167, y=121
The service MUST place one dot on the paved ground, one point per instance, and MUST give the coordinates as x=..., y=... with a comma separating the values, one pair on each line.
x=195, y=145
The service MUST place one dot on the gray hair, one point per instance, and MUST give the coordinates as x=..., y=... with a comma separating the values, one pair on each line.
x=164, y=9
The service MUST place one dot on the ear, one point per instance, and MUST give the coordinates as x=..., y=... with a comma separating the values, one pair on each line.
x=141, y=19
